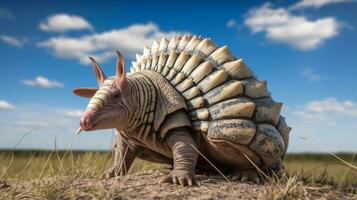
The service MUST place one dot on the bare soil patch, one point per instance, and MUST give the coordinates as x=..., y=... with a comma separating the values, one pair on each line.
x=144, y=185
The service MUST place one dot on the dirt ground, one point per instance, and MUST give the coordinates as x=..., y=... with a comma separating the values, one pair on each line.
x=212, y=187
x=143, y=185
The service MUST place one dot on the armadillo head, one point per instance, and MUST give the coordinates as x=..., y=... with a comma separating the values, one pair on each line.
x=106, y=108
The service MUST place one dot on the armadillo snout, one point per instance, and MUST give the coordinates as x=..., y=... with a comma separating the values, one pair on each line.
x=85, y=121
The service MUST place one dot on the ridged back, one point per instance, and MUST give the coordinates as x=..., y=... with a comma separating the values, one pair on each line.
x=222, y=94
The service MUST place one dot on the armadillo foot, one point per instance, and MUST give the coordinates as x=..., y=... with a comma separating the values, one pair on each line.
x=183, y=179
x=245, y=175
x=110, y=173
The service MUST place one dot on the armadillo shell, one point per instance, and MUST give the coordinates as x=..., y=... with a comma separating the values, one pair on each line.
x=201, y=72
x=268, y=143
x=212, y=80
x=284, y=130
x=204, y=48
x=191, y=45
x=191, y=93
x=232, y=109
x=199, y=114
x=183, y=42
x=200, y=125
x=220, y=56
x=155, y=48
x=171, y=60
x=195, y=103
x=179, y=77
x=191, y=64
x=237, y=69
x=255, y=88
x=184, y=85
x=163, y=45
x=154, y=62
x=173, y=43
x=224, y=98
x=171, y=75
x=226, y=91
x=267, y=111
x=181, y=60
x=162, y=60
x=237, y=130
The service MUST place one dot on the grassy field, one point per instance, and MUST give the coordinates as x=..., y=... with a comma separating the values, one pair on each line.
x=309, y=169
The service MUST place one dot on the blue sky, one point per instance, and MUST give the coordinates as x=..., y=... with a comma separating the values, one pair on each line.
x=305, y=49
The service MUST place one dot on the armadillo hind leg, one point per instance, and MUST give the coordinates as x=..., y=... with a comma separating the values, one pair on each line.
x=232, y=157
x=262, y=139
x=230, y=154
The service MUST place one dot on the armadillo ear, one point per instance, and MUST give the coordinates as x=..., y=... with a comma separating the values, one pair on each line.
x=120, y=77
x=99, y=73
x=85, y=92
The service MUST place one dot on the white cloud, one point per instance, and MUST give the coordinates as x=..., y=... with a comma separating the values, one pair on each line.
x=311, y=75
x=317, y=3
x=327, y=108
x=279, y=25
x=73, y=113
x=101, y=46
x=35, y=124
x=64, y=22
x=53, y=123
x=49, y=124
x=13, y=41
x=6, y=14
x=231, y=23
x=43, y=82
x=4, y=105
x=330, y=123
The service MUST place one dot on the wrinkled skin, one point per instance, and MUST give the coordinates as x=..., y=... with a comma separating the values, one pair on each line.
x=110, y=112
x=182, y=156
x=114, y=104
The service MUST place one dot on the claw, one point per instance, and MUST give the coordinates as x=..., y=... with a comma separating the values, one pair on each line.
x=244, y=178
x=110, y=173
x=181, y=181
x=189, y=181
x=197, y=182
x=245, y=175
x=236, y=177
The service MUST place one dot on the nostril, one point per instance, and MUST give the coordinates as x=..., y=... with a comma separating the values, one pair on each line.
x=85, y=120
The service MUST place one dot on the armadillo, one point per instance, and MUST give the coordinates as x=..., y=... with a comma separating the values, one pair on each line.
x=191, y=104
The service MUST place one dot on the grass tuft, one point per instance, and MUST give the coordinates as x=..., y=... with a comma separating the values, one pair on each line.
x=72, y=175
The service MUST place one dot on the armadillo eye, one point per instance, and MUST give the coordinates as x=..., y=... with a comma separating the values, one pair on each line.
x=116, y=95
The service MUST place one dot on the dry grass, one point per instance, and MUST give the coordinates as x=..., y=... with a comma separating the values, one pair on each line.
x=296, y=188
x=73, y=175
x=323, y=168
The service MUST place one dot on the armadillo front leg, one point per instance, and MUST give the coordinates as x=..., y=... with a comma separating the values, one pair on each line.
x=184, y=156
x=124, y=156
